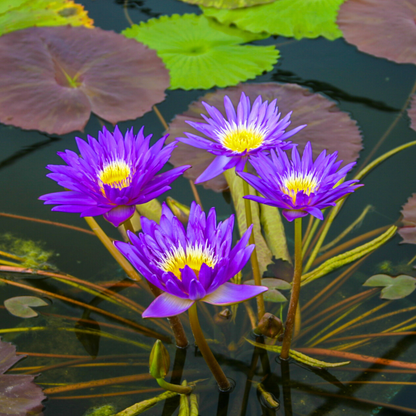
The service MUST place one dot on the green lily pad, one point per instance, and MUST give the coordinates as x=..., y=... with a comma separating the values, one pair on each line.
x=227, y=4
x=395, y=287
x=200, y=53
x=274, y=285
x=291, y=18
x=21, y=306
x=20, y=14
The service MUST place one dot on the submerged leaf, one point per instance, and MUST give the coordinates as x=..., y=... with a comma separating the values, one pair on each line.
x=201, y=53
x=327, y=126
x=384, y=28
x=20, y=14
x=394, y=287
x=298, y=356
x=52, y=78
x=21, y=306
x=408, y=231
x=290, y=18
x=227, y=4
x=19, y=395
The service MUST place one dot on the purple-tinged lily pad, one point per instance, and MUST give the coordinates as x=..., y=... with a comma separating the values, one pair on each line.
x=411, y=112
x=384, y=28
x=19, y=395
x=21, y=306
x=394, y=287
x=408, y=231
x=52, y=78
x=327, y=126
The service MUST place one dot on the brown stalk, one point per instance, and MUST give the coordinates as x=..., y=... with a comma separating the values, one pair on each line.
x=120, y=393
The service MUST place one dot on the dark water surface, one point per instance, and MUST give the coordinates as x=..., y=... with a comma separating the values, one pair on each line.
x=359, y=83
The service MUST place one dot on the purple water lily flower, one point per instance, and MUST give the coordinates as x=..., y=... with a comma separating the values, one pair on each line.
x=112, y=175
x=192, y=264
x=241, y=135
x=299, y=186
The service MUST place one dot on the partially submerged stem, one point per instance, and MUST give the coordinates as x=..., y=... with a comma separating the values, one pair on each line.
x=294, y=298
x=126, y=266
x=254, y=260
x=174, y=387
x=209, y=358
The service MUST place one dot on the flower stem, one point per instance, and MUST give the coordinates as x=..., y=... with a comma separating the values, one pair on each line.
x=294, y=298
x=254, y=260
x=209, y=358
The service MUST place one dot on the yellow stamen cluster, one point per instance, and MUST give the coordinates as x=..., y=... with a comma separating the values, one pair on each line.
x=116, y=174
x=297, y=182
x=193, y=256
x=241, y=138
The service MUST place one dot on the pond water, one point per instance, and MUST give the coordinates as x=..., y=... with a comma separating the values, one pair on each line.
x=358, y=83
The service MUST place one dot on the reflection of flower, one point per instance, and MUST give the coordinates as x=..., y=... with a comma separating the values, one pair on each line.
x=112, y=175
x=243, y=134
x=299, y=186
x=190, y=265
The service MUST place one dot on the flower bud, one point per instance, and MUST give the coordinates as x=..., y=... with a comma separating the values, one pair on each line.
x=269, y=326
x=159, y=360
x=179, y=210
x=223, y=317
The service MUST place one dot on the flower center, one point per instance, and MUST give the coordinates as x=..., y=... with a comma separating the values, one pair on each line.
x=115, y=174
x=192, y=256
x=241, y=138
x=297, y=182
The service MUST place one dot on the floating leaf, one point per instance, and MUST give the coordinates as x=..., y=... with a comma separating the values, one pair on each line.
x=328, y=128
x=21, y=306
x=408, y=231
x=227, y=4
x=290, y=18
x=201, y=53
x=298, y=356
x=235, y=183
x=394, y=287
x=384, y=28
x=51, y=78
x=280, y=269
x=20, y=14
x=19, y=395
x=274, y=285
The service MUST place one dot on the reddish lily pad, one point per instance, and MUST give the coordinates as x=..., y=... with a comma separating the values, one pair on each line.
x=19, y=395
x=408, y=231
x=384, y=28
x=52, y=78
x=394, y=287
x=21, y=306
x=327, y=126
x=411, y=112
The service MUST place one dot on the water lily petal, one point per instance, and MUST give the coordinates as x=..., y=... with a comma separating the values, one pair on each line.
x=230, y=293
x=167, y=305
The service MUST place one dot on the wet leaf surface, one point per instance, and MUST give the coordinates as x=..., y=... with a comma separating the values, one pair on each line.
x=201, y=53
x=227, y=4
x=20, y=14
x=327, y=126
x=52, y=78
x=394, y=287
x=19, y=395
x=274, y=285
x=384, y=28
x=21, y=306
x=408, y=231
x=291, y=18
